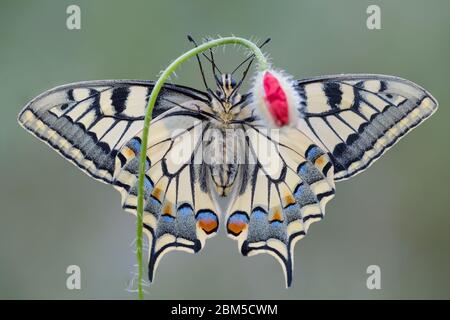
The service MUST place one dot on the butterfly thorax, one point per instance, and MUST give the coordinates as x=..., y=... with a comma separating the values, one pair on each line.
x=225, y=102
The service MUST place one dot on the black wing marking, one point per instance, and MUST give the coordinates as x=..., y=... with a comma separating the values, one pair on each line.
x=279, y=195
x=179, y=212
x=356, y=118
x=88, y=122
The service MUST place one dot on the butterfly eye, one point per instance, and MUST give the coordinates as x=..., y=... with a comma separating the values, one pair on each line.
x=232, y=83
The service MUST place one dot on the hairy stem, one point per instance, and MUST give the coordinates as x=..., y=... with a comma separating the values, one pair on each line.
x=262, y=65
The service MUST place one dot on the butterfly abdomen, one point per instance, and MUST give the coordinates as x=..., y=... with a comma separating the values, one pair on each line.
x=222, y=150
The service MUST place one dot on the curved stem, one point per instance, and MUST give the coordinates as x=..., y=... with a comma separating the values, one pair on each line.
x=262, y=65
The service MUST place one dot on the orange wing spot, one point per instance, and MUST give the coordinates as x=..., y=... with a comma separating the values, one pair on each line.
x=320, y=161
x=168, y=209
x=289, y=199
x=237, y=223
x=277, y=215
x=129, y=153
x=157, y=193
x=207, y=221
x=236, y=227
x=208, y=225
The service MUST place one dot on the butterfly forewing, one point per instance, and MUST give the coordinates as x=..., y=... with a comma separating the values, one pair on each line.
x=356, y=118
x=88, y=122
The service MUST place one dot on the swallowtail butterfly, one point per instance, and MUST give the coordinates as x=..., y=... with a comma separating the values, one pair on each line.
x=204, y=145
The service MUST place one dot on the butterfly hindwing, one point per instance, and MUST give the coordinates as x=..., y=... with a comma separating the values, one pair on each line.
x=88, y=122
x=280, y=194
x=356, y=118
x=179, y=212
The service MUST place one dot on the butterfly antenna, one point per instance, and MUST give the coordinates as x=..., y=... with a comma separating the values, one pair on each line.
x=244, y=74
x=203, y=54
x=211, y=60
x=199, y=62
x=250, y=57
x=213, y=65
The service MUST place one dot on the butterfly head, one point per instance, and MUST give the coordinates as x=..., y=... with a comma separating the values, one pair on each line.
x=225, y=100
x=226, y=86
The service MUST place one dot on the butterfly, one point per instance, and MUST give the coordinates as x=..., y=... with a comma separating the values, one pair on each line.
x=205, y=145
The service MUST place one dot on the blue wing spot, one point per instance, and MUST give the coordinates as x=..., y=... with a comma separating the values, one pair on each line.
x=292, y=213
x=259, y=213
x=302, y=169
x=154, y=201
x=313, y=153
x=167, y=218
x=185, y=210
x=135, y=145
x=238, y=217
x=276, y=223
x=298, y=191
x=206, y=214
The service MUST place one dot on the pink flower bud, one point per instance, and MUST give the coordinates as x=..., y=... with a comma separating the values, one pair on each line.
x=275, y=98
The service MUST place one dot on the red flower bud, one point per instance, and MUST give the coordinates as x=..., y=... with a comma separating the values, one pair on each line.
x=275, y=98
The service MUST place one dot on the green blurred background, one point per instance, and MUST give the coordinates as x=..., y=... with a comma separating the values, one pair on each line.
x=395, y=215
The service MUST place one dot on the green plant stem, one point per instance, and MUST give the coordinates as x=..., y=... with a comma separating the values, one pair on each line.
x=262, y=65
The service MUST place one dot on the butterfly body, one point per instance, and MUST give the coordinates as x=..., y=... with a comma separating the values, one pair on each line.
x=204, y=145
x=221, y=154
x=223, y=142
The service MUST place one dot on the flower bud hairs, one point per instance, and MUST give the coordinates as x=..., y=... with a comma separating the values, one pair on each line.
x=275, y=98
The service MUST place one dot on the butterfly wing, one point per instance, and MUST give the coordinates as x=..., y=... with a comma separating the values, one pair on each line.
x=97, y=126
x=179, y=212
x=283, y=188
x=88, y=122
x=356, y=118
